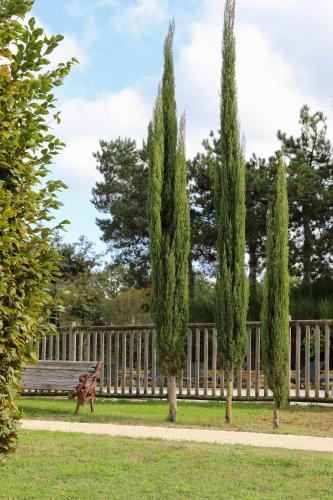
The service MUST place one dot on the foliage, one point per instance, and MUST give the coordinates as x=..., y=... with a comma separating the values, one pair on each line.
x=83, y=301
x=169, y=224
x=77, y=258
x=275, y=306
x=27, y=255
x=203, y=215
x=130, y=307
x=310, y=188
x=122, y=195
x=202, y=303
x=87, y=284
x=231, y=283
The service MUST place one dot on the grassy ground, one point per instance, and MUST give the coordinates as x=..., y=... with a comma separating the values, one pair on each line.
x=306, y=420
x=69, y=466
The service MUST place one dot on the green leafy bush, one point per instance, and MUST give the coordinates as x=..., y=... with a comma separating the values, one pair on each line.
x=27, y=256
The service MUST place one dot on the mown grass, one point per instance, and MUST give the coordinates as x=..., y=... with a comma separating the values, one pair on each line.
x=68, y=466
x=256, y=417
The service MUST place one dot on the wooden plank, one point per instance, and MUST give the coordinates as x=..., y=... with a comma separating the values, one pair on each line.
x=145, y=366
x=205, y=361
x=257, y=362
x=307, y=360
x=74, y=345
x=80, y=346
x=317, y=360
x=37, y=348
x=72, y=341
x=51, y=365
x=248, y=361
x=55, y=375
x=64, y=346
x=289, y=361
x=101, y=356
x=108, y=362
x=44, y=348
x=57, y=347
x=50, y=339
x=131, y=362
x=94, y=346
x=87, y=350
x=214, y=358
x=298, y=359
x=197, y=361
x=327, y=361
x=138, y=364
x=153, y=362
x=116, y=376
x=123, y=363
x=189, y=362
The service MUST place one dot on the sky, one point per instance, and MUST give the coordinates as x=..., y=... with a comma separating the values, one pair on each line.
x=284, y=60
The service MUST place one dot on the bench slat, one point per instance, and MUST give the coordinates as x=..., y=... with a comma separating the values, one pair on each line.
x=56, y=375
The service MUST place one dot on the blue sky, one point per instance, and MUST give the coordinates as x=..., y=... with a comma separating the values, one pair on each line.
x=284, y=54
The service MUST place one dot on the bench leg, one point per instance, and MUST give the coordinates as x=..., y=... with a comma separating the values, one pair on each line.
x=78, y=404
x=92, y=403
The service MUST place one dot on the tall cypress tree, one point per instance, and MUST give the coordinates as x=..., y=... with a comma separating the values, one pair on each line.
x=231, y=285
x=169, y=228
x=275, y=306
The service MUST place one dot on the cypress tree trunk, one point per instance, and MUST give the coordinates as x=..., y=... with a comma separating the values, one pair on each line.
x=275, y=306
x=231, y=282
x=228, y=403
x=276, y=417
x=169, y=228
x=172, y=398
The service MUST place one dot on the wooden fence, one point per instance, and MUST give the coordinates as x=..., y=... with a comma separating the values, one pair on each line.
x=131, y=368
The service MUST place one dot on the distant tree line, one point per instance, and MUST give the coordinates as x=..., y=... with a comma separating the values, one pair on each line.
x=122, y=199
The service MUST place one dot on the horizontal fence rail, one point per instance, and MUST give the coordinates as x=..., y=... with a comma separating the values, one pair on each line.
x=131, y=367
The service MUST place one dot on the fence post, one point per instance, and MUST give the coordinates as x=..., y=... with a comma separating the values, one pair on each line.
x=214, y=358
x=72, y=341
x=327, y=361
x=298, y=359
x=317, y=361
x=189, y=362
x=249, y=381
x=257, y=362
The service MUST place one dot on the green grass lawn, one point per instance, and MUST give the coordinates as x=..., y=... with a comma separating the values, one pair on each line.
x=297, y=419
x=64, y=465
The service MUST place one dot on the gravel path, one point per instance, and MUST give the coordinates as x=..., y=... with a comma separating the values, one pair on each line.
x=309, y=443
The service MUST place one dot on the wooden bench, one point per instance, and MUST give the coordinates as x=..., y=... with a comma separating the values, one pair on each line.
x=78, y=377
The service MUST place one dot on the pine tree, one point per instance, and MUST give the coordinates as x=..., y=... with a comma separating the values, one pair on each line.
x=275, y=306
x=310, y=189
x=169, y=228
x=231, y=285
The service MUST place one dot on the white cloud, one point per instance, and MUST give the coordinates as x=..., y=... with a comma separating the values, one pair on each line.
x=139, y=17
x=271, y=87
x=85, y=122
x=271, y=90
